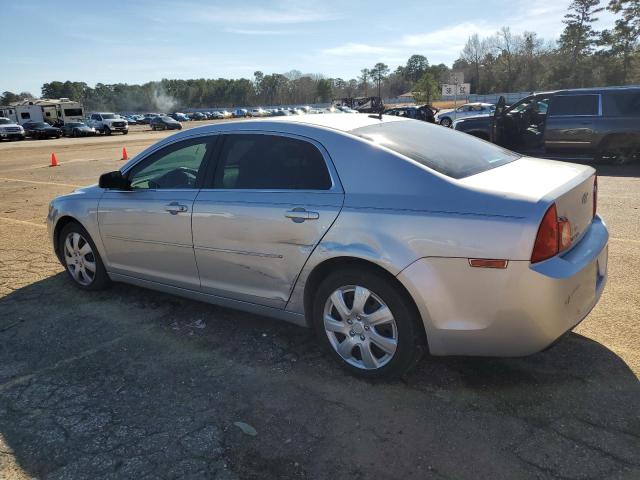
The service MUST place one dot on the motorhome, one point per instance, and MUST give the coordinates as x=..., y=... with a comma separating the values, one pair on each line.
x=56, y=112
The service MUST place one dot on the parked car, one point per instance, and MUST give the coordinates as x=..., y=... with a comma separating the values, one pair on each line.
x=41, y=130
x=10, y=130
x=257, y=112
x=226, y=114
x=604, y=122
x=179, y=117
x=146, y=118
x=131, y=119
x=217, y=115
x=240, y=113
x=197, y=116
x=164, y=122
x=346, y=109
x=425, y=113
x=388, y=236
x=108, y=123
x=77, y=129
x=447, y=117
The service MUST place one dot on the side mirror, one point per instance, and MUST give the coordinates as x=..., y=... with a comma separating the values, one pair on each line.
x=114, y=180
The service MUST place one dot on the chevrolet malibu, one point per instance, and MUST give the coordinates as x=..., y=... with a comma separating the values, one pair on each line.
x=387, y=236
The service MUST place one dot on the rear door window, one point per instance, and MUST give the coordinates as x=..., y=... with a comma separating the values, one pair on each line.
x=571, y=105
x=270, y=162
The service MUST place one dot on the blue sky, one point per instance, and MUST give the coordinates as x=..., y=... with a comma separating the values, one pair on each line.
x=139, y=41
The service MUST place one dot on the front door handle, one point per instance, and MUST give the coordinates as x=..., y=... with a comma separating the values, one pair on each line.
x=174, y=208
x=299, y=215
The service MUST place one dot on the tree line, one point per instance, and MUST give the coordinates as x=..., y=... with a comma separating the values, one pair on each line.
x=504, y=62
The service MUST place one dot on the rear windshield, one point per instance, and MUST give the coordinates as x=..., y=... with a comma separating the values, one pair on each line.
x=442, y=149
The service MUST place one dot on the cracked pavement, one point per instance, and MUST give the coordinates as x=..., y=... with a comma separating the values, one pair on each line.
x=131, y=383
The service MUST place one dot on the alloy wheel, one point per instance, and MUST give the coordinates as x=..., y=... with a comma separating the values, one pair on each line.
x=79, y=258
x=360, y=326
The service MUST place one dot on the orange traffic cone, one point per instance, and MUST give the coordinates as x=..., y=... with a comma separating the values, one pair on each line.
x=54, y=160
x=124, y=154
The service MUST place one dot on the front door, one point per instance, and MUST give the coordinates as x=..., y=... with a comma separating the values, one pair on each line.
x=146, y=230
x=271, y=200
x=497, y=122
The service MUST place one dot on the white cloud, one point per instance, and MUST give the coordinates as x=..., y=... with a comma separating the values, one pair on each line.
x=354, y=49
x=278, y=13
x=248, y=31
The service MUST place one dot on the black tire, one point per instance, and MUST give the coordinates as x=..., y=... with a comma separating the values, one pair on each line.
x=107, y=131
x=410, y=332
x=124, y=132
x=446, y=122
x=100, y=279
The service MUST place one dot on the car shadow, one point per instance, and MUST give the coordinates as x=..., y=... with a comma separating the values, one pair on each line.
x=133, y=383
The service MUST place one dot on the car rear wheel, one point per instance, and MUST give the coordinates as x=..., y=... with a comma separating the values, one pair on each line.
x=106, y=131
x=81, y=259
x=446, y=122
x=618, y=151
x=368, y=324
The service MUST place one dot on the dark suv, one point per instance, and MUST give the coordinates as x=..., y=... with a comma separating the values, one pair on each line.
x=604, y=122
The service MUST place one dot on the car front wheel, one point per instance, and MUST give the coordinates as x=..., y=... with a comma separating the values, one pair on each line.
x=81, y=258
x=446, y=122
x=370, y=326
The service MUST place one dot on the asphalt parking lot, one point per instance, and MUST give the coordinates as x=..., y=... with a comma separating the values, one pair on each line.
x=130, y=383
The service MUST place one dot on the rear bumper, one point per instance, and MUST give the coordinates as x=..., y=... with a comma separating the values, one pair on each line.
x=512, y=312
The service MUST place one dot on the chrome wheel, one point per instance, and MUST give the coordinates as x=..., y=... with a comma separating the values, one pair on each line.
x=360, y=327
x=80, y=259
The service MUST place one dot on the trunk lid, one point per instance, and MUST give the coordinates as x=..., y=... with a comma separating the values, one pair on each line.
x=535, y=180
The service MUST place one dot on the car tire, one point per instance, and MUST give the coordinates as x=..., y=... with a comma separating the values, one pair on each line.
x=617, y=151
x=124, y=132
x=106, y=131
x=446, y=122
x=79, y=256
x=387, y=348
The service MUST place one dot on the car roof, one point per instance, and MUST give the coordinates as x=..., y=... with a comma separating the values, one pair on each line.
x=344, y=123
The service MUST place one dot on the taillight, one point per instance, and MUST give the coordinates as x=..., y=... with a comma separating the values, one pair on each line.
x=546, y=244
x=554, y=236
x=595, y=195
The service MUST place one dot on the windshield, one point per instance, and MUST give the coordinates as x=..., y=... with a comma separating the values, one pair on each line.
x=39, y=124
x=75, y=124
x=108, y=116
x=446, y=151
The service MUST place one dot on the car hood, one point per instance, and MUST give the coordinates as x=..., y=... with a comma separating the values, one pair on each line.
x=9, y=125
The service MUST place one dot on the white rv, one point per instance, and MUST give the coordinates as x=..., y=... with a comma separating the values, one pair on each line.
x=55, y=112
x=8, y=111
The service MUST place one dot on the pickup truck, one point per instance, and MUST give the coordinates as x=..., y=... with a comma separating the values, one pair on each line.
x=107, y=123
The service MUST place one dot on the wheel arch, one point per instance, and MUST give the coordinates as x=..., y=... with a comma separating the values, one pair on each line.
x=328, y=266
x=62, y=222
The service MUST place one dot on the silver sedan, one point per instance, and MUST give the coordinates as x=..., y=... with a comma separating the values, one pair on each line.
x=388, y=236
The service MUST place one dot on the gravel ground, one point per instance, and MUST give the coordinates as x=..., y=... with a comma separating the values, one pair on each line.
x=130, y=383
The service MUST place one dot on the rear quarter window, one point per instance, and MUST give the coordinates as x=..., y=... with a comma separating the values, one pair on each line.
x=622, y=103
x=444, y=150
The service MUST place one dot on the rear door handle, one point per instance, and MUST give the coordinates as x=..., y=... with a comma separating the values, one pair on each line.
x=299, y=215
x=174, y=208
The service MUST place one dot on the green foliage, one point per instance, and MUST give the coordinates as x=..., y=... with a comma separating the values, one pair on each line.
x=427, y=89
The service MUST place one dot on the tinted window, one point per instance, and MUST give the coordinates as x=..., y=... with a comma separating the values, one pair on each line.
x=623, y=103
x=574, y=105
x=176, y=166
x=25, y=115
x=73, y=112
x=270, y=162
x=451, y=153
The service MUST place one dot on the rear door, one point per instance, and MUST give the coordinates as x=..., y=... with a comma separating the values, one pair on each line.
x=268, y=204
x=146, y=230
x=571, y=120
